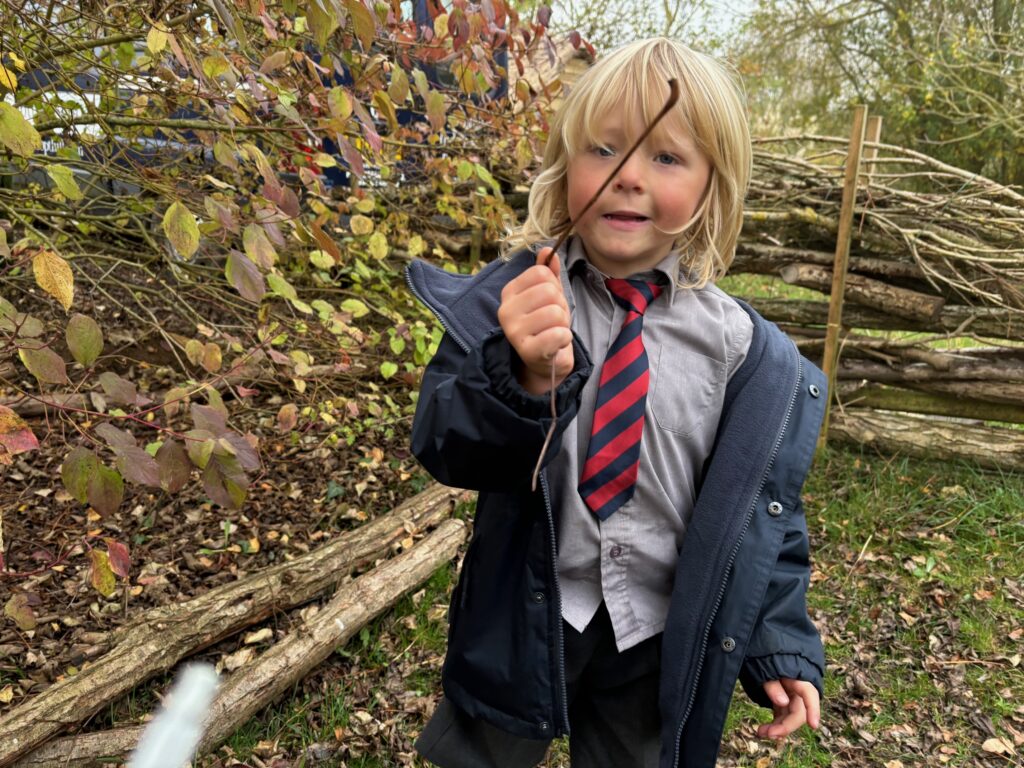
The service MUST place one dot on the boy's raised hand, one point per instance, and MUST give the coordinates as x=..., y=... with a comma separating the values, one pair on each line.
x=535, y=318
x=794, y=702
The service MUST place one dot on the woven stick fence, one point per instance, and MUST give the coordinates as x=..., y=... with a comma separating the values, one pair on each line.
x=931, y=341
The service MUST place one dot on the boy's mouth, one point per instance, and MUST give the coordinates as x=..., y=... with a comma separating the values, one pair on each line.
x=625, y=217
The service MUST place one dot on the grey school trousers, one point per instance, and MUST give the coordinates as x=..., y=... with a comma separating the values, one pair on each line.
x=613, y=712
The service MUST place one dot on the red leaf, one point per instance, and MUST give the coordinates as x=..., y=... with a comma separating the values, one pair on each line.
x=544, y=15
x=15, y=435
x=120, y=560
x=175, y=468
x=575, y=39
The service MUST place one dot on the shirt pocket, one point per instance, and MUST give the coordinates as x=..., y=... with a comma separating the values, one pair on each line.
x=687, y=388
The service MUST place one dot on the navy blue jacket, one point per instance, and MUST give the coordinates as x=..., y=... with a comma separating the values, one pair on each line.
x=738, y=605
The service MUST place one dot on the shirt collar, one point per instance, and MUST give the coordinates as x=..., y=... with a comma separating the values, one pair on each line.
x=665, y=272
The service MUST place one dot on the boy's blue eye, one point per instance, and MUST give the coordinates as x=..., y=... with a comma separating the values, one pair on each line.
x=604, y=151
x=666, y=159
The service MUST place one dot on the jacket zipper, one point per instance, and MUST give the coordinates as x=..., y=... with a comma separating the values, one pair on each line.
x=547, y=509
x=732, y=559
x=558, y=600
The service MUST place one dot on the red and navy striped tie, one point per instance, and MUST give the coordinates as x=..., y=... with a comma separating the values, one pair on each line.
x=613, y=456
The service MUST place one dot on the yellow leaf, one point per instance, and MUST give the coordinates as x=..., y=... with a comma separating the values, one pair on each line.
x=378, y=245
x=156, y=39
x=17, y=133
x=366, y=205
x=64, y=178
x=101, y=575
x=54, y=276
x=361, y=225
x=7, y=79
x=181, y=229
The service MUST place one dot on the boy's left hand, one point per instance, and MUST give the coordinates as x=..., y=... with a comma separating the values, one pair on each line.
x=794, y=702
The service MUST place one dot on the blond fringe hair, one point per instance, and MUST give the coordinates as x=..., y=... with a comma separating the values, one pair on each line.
x=633, y=80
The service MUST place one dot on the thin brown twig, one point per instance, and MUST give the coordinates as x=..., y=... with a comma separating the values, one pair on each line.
x=673, y=97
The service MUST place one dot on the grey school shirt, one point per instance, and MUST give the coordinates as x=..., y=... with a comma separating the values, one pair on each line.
x=695, y=340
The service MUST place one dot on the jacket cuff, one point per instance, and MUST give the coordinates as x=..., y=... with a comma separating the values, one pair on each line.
x=500, y=361
x=759, y=670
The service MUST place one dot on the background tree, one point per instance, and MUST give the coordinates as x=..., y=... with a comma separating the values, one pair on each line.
x=946, y=76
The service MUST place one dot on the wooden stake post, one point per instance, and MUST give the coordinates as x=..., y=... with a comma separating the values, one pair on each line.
x=835, y=307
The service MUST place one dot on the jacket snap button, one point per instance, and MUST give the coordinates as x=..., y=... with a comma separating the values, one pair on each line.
x=728, y=645
x=538, y=597
x=775, y=509
x=544, y=727
x=615, y=551
x=813, y=389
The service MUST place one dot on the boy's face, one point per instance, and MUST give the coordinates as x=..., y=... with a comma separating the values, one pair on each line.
x=633, y=224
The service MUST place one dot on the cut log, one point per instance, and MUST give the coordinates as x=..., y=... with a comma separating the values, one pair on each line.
x=769, y=259
x=1010, y=370
x=853, y=395
x=993, y=322
x=868, y=292
x=991, y=447
x=1008, y=392
x=256, y=686
x=163, y=636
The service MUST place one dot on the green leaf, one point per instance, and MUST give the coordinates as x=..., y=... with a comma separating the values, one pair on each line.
x=485, y=176
x=322, y=21
x=321, y=260
x=101, y=576
x=64, y=178
x=465, y=170
x=5, y=250
x=181, y=229
x=363, y=21
x=397, y=344
x=17, y=133
x=388, y=369
x=281, y=287
x=355, y=307
x=85, y=339
x=45, y=364
x=302, y=306
x=106, y=490
x=339, y=103
x=78, y=468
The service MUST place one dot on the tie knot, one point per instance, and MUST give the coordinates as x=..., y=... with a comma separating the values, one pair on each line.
x=633, y=295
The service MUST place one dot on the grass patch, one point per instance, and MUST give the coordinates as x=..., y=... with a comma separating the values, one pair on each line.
x=916, y=588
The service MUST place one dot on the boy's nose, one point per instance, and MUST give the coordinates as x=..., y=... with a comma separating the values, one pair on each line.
x=630, y=176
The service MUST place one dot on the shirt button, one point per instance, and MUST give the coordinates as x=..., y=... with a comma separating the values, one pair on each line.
x=616, y=551
x=775, y=509
x=538, y=597
x=728, y=644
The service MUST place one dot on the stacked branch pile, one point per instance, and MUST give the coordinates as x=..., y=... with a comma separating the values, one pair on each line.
x=937, y=254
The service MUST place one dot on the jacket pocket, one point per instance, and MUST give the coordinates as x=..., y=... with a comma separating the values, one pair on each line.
x=686, y=387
